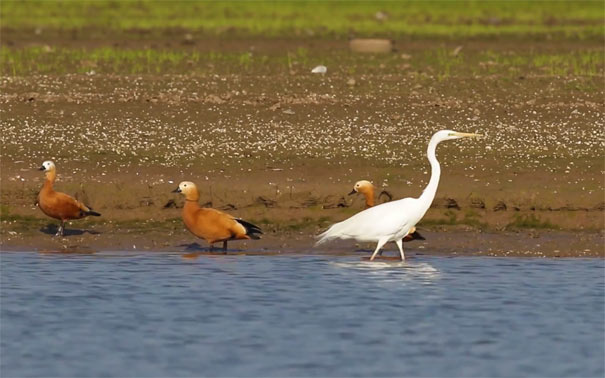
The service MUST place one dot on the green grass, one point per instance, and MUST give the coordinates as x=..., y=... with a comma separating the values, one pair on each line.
x=443, y=19
x=587, y=63
x=294, y=225
x=4, y=211
x=579, y=63
x=438, y=61
x=530, y=221
x=472, y=218
x=44, y=60
x=23, y=223
x=451, y=218
x=143, y=225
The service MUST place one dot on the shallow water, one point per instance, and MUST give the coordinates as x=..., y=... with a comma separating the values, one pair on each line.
x=115, y=314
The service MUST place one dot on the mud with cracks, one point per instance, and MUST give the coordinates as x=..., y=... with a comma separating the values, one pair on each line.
x=281, y=147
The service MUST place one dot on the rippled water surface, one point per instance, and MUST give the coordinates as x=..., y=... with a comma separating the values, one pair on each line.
x=115, y=314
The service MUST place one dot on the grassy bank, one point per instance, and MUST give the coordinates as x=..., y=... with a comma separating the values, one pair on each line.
x=414, y=19
x=441, y=61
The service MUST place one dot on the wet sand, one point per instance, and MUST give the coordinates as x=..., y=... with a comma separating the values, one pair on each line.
x=438, y=242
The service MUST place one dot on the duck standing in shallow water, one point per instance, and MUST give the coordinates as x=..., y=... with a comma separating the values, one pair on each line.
x=210, y=224
x=59, y=205
x=366, y=188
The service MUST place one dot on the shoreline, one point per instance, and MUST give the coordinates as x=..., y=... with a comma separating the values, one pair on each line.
x=527, y=243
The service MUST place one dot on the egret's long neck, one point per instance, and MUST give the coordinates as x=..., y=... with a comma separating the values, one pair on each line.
x=431, y=189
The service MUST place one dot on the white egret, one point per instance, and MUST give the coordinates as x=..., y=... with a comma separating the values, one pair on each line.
x=366, y=188
x=392, y=221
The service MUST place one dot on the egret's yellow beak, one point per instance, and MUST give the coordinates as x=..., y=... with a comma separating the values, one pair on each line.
x=467, y=135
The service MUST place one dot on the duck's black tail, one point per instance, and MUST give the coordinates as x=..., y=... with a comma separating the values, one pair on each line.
x=416, y=236
x=93, y=213
x=251, y=230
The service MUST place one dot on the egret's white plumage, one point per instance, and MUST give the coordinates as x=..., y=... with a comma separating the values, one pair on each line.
x=393, y=220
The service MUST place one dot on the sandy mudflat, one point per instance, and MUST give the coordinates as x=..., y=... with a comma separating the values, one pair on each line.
x=281, y=148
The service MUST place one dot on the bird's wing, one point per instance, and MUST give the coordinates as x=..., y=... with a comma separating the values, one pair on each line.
x=217, y=222
x=68, y=201
x=379, y=221
x=215, y=215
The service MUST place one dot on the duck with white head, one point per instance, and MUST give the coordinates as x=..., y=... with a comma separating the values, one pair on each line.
x=59, y=205
x=210, y=224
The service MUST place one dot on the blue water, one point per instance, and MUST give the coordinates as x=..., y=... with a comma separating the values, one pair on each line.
x=159, y=314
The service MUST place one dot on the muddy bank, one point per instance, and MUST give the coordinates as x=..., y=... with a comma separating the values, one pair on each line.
x=451, y=241
x=266, y=140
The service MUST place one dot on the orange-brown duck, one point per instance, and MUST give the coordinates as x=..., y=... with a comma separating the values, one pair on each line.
x=210, y=224
x=59, y=205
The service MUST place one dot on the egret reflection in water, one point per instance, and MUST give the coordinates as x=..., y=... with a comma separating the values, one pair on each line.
x=396, y=271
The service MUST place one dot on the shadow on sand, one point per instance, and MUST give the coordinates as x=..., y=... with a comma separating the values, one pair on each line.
x=51, y=229
x=195, y=250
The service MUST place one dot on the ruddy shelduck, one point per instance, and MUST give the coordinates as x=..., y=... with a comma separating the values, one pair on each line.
x=366, y=188
x=59, y=205
x=210, y=224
